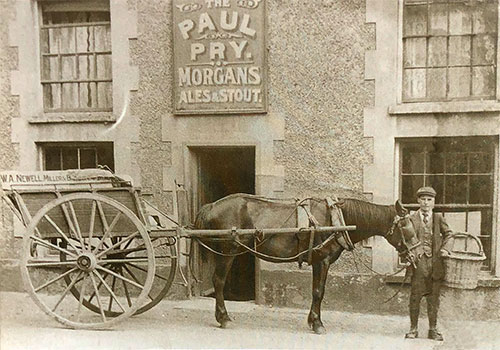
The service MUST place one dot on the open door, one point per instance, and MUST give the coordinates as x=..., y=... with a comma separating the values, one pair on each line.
x=222, y=171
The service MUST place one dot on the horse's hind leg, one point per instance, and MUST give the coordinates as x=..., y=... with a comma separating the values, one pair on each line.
x=320, y=272
x=222, y=266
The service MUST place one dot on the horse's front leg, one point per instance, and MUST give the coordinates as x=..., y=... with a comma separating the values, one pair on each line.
x=222, y=266
x=320, y=272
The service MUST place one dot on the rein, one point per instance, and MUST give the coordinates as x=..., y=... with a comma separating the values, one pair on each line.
x=262, y=241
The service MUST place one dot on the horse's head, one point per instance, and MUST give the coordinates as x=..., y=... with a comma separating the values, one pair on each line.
x=403, y=236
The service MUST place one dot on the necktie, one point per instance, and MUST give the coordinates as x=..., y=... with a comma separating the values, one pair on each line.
x=426, y=218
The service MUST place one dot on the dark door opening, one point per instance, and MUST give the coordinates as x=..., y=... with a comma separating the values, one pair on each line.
x=223, y=171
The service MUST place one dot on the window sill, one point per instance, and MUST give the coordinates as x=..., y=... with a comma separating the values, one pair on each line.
x=444, y=107
x=74, y=117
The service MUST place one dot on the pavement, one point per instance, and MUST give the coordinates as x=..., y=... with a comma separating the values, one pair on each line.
x=190, y=324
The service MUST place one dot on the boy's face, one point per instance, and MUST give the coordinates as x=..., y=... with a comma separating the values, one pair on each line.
x=426, y=202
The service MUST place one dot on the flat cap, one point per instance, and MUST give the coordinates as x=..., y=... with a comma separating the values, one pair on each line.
x=426, y=191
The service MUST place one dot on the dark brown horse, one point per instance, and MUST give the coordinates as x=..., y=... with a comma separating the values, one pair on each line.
x=249, y=211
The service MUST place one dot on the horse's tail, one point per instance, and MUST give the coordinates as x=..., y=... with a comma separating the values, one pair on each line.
x=203, y=217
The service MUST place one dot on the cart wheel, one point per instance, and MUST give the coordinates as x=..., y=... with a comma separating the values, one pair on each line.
x=85, y=238
x=166, y=264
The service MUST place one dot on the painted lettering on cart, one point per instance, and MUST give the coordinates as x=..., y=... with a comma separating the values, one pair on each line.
x=21, y=178
x=219, y=55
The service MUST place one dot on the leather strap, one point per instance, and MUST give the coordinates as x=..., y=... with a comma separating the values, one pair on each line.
x=337, y=219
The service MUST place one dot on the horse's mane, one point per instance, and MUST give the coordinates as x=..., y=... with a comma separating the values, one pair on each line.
x=367, y=216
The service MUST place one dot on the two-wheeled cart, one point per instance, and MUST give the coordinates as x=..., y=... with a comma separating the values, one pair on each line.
x=91, y=256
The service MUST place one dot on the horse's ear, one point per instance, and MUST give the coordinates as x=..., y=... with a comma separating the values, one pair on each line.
x=402, y=211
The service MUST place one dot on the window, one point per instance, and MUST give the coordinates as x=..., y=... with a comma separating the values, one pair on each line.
x=449, y=50
x=461, y=170
x=75, y=44
x=62, y=156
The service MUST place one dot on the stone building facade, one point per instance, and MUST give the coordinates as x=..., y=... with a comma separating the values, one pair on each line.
x=358, y=104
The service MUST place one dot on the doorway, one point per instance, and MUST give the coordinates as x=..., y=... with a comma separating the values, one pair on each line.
x=222, y=171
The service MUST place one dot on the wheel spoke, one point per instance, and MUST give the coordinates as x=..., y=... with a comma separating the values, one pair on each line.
x=98, y=298
x=92, y=223
x=70, y=222
x=99, y=286
x=51, y=263
x=125, y=260
x=108, y=229
x=135, y=278
x=76, y=224
x=47, y=217
x=46, y=284
x=126, y=291
x=73, y=282
x=82, y=298
x=144, y=270
x=124, y=279
x=112, y=294
x=50, y=245
x=113, y=283
x=117, y=244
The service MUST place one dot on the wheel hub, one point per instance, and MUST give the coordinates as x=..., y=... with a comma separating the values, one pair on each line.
x=86, y=262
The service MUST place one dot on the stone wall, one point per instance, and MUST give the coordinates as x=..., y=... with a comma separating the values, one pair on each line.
x=9, y=108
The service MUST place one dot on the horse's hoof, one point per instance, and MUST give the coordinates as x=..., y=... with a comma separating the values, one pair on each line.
x=319, y=330
x=224, y=324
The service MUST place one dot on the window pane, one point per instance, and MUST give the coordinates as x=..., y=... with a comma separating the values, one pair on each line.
x=68, y=68
x=436, y=182
x=69, y=96
x=105, y=156
x=483, y=81
x=486, y=242
x=414, y=83
x=480, y=189
x=410, y=185
x=480, y=163
x=87, y=158
x=415, y=52
x=456, y=189
x=435, y=163
x=415, y=22
x=52, y=159
x=67, y=40
x=436, y=88
x=437, y=51
x=459, y=50
x=485, y=17
x=102, y=36
x=413, y=162
x=460, y=19
x=86, y=67
x=438, y=19
x=84, y=39
x=484, y=49
x=103, y=66
x=70, y=158
x=456, y=163
x=459, y=82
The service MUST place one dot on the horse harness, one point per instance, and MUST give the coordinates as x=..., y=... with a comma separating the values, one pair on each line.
x=309, y=242
x=410, y=252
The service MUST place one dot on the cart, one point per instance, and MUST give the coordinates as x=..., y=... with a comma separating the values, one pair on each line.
x=91, y=256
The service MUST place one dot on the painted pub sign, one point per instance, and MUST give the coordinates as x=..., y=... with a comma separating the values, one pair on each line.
x=219, y=56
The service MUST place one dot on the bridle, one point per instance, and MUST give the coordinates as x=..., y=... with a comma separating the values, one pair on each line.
x=406, y=249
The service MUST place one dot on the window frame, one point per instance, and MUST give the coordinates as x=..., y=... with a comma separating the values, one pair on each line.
x=426, y=105
x=75, y=6
x=98, y=146
x=491, y=268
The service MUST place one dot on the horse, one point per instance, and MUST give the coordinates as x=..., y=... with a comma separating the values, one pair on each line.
x=246, y=211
